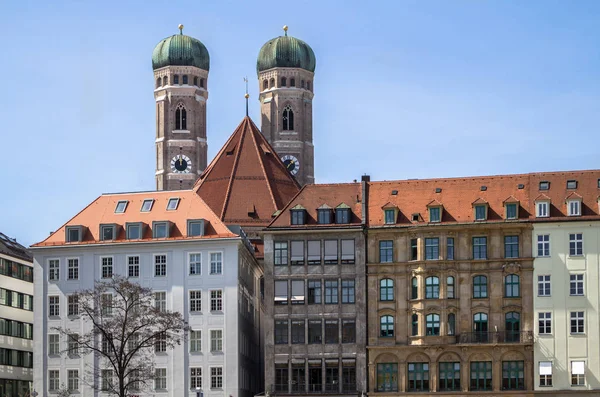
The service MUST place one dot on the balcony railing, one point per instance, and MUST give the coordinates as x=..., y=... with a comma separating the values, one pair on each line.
x=496, y=337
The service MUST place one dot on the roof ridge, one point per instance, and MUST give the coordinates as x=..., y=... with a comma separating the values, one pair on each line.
x=262, y=166
x=234, y=167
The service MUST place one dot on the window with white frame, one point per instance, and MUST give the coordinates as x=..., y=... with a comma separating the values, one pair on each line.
x=107, y=379
x=160, y=342
x=577, y=322
x=543, y=245
x=544, y=285
x=160, y=379
x=216, y=263
x=107, y=306
x=574, y=207
x=195, y=341
x=160, y=301
x=73, y=269
x=216, y=340
x=195, y=264
x=54, y=306
x=53, y=344
x=73, y=305
x=72, y=380
x=196, y=378
x=107, y=267
x=195, y=301
x=577, y=373
x=576, y=284
x=216, y=300
x=545, y=370
x=53, y=380
x=216, y=377
x=575, y=244
x=73, y=344
x=147, y=205
x=121, y=206
x=53, y=270
x=160, y=265
x=542, y=209
x=133, y=266
x=545, y=323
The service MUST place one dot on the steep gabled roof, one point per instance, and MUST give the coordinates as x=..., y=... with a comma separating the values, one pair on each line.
x=246, y=173
x=10, y=247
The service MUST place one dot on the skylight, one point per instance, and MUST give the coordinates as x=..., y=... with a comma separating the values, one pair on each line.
x=172, y=204
x=147, y=205
x=121, y=206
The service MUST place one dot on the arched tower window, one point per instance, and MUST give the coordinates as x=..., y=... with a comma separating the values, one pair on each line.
x=283, y=81
x=176, y=79
x=180, y=117
x=165, y=80
x=202, y=83
x=158, y=81
x=302, y=83
x=185, y=79
x=292, y=82
x=308, y=85
x=265, y=84
x=288, y=118
x=272, y=83
x=196, y=81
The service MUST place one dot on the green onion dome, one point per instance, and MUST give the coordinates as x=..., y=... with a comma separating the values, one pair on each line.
x=286, y=52
x=180, y=50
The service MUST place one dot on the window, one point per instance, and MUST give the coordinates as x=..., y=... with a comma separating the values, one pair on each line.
x=450, y=248
x=332, y=331
x=415, y=324
x=511, y=246
x=298, y=332
x=349, y=331
x=195, y=228
x=577, y=373
x=180, y=118
x=107, y=379
x=314, y=331
x=133, y=231
x=545, y=370
x=107, y=267
x=386, y=251
x=185, y=79
x=342, y=215
x=386, y=326
x=432, y=288
x=297, y=297
x=332, y=376
x=283, y=81
x=195, y=301
x=450, y=287
x=53, y=380
x=314, y=292
x=195, y=341
x=418, y=377
x=449, y=377
x=165, y=80
x=308, y=85
x=451, y=324
x=160, y=265
x=414, y=288
x=216, y=377
x=73, y=305
x=297, y=254
x=160, y=301
x=298, y=377
x=172, y=204
x=216, y=300
x=160, y=342
x=72, y=379
x=74, y=233
x=481, y=375
x=574, y=207
x=281, y=292
x=390, y=216
x=73, y=344
x=434, y=214
x=107, y=232
x=314, y=252
x=281, y=253
x=195, y=378
x=281, y=332
x=176, y=79
x=513, y=375
x=577, y=323
x=292, y=82
x=73, y=269
x=54, y=306
x=480, y=212
x=281, y=377
x=511, y=211
x=387, y=377
x=288, y=119
x=511, y=286
x=331, y=252
x=432, y=248
x=544, y=185
x=107, y=305
x=53, y=270
x=347, y=252
x=576, y=285
x=331, y=291
x=414, y=249
x=324, y=216
x=265, y=84
x=53, y=344
x=216, y=340
x=160, y=379
x=575, y=244
x=202, y=82
x=121, y=206
x=298, y=217
x=480, y=287
x=543, y=245
x=545, y=323
x=479, y=247
x=347, y=291
x=542, y=209
x=544, y=285
x=386, y=289
x=432, y=324
x=160, y=230
x=195, y=264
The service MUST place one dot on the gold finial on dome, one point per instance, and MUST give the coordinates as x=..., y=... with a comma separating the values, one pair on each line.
x=285, y=29
x=180, y=28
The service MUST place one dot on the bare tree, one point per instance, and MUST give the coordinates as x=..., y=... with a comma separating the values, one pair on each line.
x=127, y=327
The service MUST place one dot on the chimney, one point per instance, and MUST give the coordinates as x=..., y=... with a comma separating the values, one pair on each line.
x=365, y=179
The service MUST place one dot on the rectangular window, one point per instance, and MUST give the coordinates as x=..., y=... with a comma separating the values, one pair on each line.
x=332, y=376
x=432, y=249
x=577, y=373
x=315, y=331
x=479, y=247
x=577, y=323
x=173, y=204
x=511, y=211
x=542, y=209
x=195, y=301
x=297, y=254
x=160, y=265
x=414, y=249
x=298, y=332
x=195, y=378
x=53, y=344
x=449, y=376
x=73, y=305
x=281, y=332
x=73, y=269
x=418, y=377
x=576, y=244
x=216, y=340
x=342, y=215
x=349, y=331
x=480, y=212
x=576, y=284
x=195, y=341
x=511, y=246
x=390, y=216
x=545, y=370
x=544, y=185
x=160, y=379
x=216, y=377
x=281, y=292
x=298, y=217
x=331, y=252
x=348, y=252
x=543, y=245
x=107, y=232
x=348, y=375
x=133, y=266
x=544, y=288
x=314, y=252
x=133, y=231
x=386, y=251
x=106, y=302
x=347, y=291
x=160, y=342
x=298, y=377
x=324, y=216
x=160, y=301
x=574, y=208
x=331, y=291
x=314, y=292
x=53, y=380
x=387, y=377
x=160, y=230
x=53, y=270
x=297, y=292
x=481, y=375
x=195, y=228
x=147, y=205
x=545, y=323
x=450, y=248
x=281, y=378
x=434, y=214
x=107, y=267
x=332, y=332
x=54, y=306
x=73, y=234
x=216, y=300
x=281, y=253
x=107, y=379
x=73, y=344
x=72, y=380
x=216, y=263
x=121, y=206
x=513, y=375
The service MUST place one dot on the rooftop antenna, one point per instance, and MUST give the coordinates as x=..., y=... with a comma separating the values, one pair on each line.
x=246, y=95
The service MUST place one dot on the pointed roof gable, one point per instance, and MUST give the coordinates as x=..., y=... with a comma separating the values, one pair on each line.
x=573, y=196
x=246, y=173
x=479, y=201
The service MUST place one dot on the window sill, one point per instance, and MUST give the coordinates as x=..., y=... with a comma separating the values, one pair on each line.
x=544, y=296
x=578, y=335
x=576, y=256
x=180, y=131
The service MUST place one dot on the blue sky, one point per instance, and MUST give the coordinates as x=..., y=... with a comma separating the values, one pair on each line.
x=403, y=89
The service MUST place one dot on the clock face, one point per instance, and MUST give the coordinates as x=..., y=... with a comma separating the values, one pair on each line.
x=291, y=164
x=181, y=164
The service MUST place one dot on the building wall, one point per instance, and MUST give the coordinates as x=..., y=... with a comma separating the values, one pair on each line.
x=177, y=284
x=561, y=347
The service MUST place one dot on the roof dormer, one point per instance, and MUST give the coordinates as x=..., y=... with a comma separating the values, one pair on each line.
x=390, y=213
x=324, y=215
x=480, y=209
x=298, y=215
x=542, y=206
x=573, y=201
x=343, y=214
x=511, y=208
x=435, y=210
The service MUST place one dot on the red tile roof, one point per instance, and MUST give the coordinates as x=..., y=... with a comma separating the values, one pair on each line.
x=102, y=211
x=246, y=183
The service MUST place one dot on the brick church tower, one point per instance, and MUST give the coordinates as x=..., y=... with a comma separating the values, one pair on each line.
x=180, y=65
x=285, y=68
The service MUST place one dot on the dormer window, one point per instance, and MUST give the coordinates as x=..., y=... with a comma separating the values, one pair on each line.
x=133, y=231
x=121, y=206
x=173, y=204
x=574, y=207
x=390, y=216
x=160, y=229
x=147, y=205
x=572, y=184
x=342, y=214
x=298, y=215
x=108, y=232
x=511, y=211
x=435, y=214
x=544, y=185
x=481, y=212
x=324, y=216
x=542, y=209
x=74, y=234
x=195, y=227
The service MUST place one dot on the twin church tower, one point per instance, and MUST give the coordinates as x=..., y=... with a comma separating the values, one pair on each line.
x=285, y=69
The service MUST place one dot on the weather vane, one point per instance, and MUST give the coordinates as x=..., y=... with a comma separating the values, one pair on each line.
x=246, y=95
